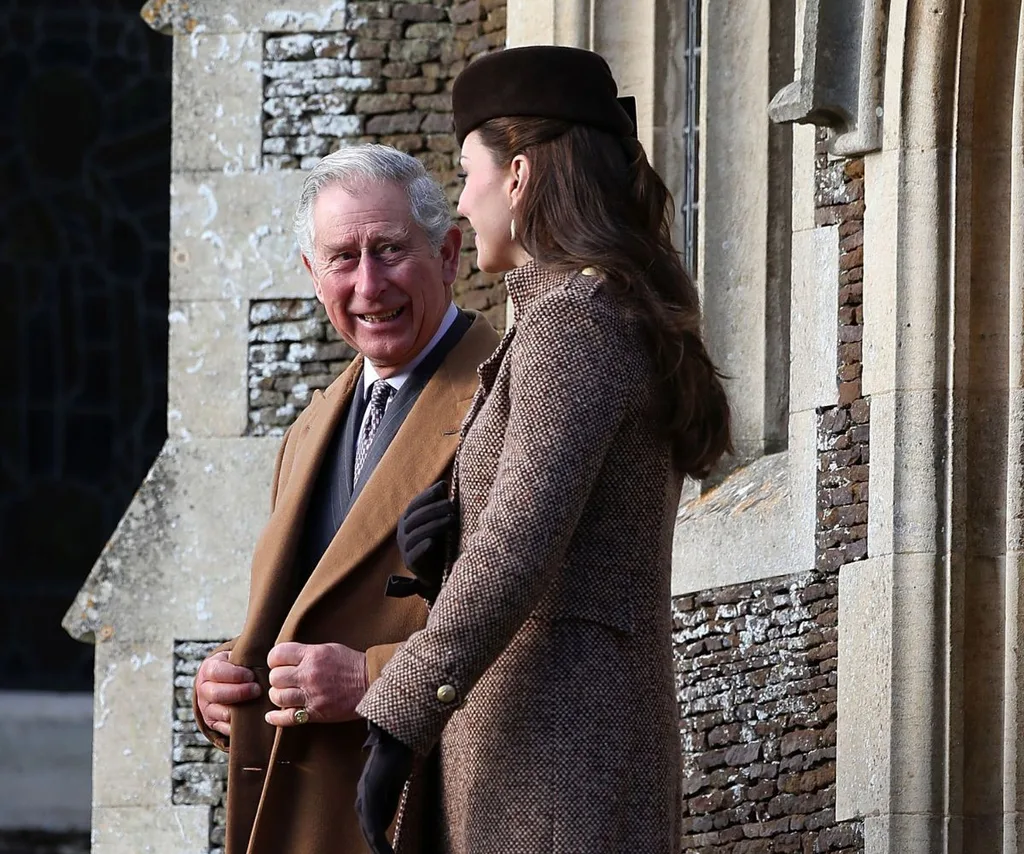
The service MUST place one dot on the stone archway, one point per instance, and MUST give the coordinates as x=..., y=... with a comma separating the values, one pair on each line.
x=939, y=772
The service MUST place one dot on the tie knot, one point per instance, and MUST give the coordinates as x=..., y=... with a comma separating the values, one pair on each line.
x=380, y=393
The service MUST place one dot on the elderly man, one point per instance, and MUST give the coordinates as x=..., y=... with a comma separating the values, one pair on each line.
x=378, y=241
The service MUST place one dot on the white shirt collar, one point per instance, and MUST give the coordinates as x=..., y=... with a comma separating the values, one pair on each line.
x=396, y=381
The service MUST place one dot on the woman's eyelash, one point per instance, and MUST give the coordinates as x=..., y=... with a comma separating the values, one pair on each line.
x=461, y=175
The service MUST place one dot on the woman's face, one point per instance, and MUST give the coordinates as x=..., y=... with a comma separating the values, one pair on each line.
x=486, y=201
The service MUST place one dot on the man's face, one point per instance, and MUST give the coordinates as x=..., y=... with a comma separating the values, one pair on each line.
x=374, y=271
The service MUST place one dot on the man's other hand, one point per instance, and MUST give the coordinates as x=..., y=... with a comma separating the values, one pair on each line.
x=219, y=686
x=326, y=679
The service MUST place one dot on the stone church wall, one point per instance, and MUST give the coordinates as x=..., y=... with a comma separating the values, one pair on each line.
x=757, y=662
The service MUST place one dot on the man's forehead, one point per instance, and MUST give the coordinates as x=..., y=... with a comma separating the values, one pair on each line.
x=371, y=211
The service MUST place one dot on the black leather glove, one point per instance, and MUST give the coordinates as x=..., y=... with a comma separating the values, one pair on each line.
x=380, y=786
x=422, y=531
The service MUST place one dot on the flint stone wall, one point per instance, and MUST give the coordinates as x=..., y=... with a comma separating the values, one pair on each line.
x=199, y=771
x=293, y=350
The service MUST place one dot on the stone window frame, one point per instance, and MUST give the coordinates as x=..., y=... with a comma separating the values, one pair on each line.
x=767, y=279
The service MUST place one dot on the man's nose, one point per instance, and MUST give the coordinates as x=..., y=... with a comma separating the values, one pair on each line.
x=369, y=278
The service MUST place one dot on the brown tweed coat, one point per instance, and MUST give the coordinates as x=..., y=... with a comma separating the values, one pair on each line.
x=292, y=791
x=560, y=731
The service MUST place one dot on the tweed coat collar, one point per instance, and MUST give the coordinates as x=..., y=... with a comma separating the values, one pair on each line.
x=530, y=282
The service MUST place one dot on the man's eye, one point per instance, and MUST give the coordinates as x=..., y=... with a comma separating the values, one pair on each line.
x=390, y=249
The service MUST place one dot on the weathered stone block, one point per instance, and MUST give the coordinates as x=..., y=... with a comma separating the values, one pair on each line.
x=407, y=142
x=290, y=108
x=275, y=311
x=434, y=32
x=388, y=103
x=435, y=103
x=463, y=13
x=418, y=12
x=401, y=69
x=299, y=330
x=367, y=68
x=312, y=68
x=395, y=123
x=310, y=146
x=442, y=142
x=216, y=95
x=413, y=85
x=330, y=125
x=496, y=20
x=288, y=88
x=292, y=47
x=453, y=51
x=332, y=46
x=277, y=145
x=231, y=236
x=378, y=29
x=346, y=84
x=362, y=11
x=438, y=123
x=487, y=42
x=259, y=398
x=367, y=49
x=164, y=828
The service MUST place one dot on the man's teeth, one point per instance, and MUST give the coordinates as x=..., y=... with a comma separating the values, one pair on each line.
x=381, y=318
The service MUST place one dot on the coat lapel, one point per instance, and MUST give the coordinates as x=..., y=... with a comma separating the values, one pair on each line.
x=404, y=471
x=487, y=372
x=271, y=575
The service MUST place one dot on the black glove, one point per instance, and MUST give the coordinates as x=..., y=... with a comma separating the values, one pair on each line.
x=380, y=787
x=422, y=530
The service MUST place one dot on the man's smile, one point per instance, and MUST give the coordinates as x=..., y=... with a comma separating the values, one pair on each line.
x=381, y=317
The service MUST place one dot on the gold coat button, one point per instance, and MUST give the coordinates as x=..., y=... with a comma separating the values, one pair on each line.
x=589, y=271
x=446, y=693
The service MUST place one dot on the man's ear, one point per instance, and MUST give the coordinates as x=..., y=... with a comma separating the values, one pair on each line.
x=520, y=169
x=316, y=282
x=450, y=255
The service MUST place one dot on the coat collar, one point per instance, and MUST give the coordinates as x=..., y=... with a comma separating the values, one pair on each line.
x=528, y=283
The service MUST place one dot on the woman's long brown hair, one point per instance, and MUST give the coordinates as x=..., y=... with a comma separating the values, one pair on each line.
x=592, y=199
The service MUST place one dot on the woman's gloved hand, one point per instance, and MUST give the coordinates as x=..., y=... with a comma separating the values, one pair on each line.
x=422, y=531
x=380, y=786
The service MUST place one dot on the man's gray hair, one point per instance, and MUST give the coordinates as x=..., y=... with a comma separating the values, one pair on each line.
x=359, y=166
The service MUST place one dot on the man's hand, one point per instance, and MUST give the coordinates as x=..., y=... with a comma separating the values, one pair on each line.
x=380, y=787
x=326, y=679
x=219, y=686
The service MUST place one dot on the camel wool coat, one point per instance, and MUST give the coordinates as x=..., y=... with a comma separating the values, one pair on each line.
x=292, y=790
x=544, y=674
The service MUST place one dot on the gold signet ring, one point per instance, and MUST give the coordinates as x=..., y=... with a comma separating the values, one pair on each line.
x=300, y=716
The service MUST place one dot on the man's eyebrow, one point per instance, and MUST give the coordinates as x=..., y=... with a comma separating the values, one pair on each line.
x=384, y=236
x=387, y=235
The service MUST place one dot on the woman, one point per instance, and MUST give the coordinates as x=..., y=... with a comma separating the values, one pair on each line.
x=544, y=673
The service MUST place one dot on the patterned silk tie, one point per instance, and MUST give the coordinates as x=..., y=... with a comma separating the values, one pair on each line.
x=380, y=396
